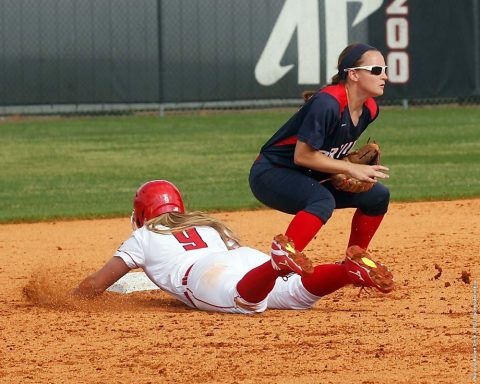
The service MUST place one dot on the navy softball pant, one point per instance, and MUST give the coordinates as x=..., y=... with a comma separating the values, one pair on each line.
x=291, y=191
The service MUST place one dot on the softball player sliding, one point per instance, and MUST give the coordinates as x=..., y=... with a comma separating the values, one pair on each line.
x=198, y=260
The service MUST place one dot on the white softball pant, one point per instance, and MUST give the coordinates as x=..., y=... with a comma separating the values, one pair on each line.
x=212, y=280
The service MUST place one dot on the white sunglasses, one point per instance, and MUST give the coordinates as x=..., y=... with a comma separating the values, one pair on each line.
x=374, y=69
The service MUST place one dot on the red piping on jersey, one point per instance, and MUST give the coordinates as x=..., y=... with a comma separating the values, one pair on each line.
x=372, y=107
x=292, y=140
x=340, y=94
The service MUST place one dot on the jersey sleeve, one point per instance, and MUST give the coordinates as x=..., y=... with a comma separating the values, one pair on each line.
x=131, y=252
x=372, y=108
x=322, y=116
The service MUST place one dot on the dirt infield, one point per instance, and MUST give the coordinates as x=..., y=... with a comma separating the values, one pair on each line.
x=421, y=333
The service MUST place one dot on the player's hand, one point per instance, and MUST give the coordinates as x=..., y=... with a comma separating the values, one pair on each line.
x=367, y=173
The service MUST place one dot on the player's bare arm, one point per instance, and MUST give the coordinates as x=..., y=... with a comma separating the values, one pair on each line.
x=308, y=157
x=98, y=282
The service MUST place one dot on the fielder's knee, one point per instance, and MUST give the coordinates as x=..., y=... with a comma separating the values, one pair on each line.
x=322, y=208
x=378, y=201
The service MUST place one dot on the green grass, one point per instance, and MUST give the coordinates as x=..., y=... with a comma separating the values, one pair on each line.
x=91, y=166
x=432, y=153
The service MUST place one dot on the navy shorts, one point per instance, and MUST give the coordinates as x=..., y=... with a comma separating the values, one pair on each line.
x=291, y=191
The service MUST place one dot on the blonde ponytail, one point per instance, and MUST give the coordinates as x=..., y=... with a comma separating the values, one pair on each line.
x=177, y=222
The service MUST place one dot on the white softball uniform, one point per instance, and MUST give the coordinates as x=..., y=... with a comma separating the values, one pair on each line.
x=196, y=267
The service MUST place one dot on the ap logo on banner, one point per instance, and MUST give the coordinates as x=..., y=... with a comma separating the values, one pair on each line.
x=302, y=16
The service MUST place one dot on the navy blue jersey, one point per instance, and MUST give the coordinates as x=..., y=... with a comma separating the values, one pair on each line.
x=324, y=123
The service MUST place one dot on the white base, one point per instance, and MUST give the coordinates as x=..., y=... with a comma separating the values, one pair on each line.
x=133, y=282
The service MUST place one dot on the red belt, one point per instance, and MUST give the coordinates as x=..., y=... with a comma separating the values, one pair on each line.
x=185, y=277
x=184, y=282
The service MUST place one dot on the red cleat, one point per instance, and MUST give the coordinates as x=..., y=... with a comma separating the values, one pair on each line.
x=364, y=272
x=286, y=258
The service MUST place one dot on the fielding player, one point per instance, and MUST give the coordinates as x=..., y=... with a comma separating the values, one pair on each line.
x=293, y=172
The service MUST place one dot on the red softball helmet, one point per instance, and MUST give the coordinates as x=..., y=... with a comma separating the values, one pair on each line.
x=154, y=198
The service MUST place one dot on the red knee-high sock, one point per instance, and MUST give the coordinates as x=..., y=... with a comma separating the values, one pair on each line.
x=363, y=228
x=303, y=228
x=325, y=279
x=257, y=283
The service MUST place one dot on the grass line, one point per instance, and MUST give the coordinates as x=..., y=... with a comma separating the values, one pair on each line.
x=90, y=166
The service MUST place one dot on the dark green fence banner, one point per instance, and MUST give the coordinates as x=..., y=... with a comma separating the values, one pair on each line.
x=250, y=49
x=432, y=47
x=154, y=52
x=57, y=52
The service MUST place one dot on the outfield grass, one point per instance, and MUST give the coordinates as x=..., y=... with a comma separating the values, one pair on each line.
x=91, y=166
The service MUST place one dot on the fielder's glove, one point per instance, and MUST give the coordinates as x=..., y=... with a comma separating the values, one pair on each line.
x=369, y=154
